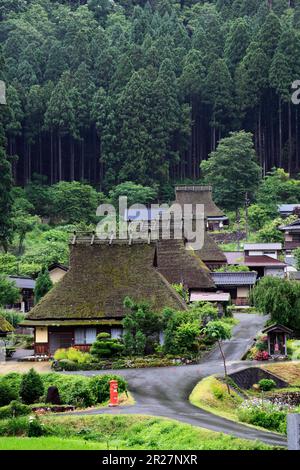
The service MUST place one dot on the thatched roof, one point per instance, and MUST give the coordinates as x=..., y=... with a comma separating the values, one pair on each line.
x=100, y=277
x=197, y=194
x=5, y=326
x=211, y=251
x=180, y=265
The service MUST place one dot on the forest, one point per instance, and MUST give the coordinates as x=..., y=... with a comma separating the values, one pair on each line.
x=107, y=91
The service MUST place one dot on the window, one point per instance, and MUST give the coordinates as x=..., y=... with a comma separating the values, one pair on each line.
x=85, y=335
x=116, y=333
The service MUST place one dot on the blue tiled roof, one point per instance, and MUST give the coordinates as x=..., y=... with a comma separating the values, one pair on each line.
x=234, y=278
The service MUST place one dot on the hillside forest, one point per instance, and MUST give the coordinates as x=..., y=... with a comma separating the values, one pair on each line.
x=107, y=91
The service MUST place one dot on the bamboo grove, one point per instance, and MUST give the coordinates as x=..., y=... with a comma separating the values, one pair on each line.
x=109, y=91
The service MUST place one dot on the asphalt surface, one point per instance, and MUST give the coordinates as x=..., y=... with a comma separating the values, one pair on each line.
x=164, y=391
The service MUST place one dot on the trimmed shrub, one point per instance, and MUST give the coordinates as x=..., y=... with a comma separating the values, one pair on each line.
x=73, y=355
x=105, y=346
x=32, y=387
x=266, y=384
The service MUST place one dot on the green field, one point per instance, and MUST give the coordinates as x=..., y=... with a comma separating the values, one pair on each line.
x=123, y=432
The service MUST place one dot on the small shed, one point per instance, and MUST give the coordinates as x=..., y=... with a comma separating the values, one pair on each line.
x=277, y=338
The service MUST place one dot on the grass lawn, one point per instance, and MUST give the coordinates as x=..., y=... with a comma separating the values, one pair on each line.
x=48, y=443
x=211, y=395
x=124, y=433
x=289, y=371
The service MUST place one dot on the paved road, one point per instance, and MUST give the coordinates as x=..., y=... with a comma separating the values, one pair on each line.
x=165, y=391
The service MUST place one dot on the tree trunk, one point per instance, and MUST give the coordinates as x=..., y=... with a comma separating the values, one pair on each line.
x=280, y=132
x=82, y=159
x=51, y=159
x=225, y=368
x=72, y=159
x=290, y=139
x=59, y=158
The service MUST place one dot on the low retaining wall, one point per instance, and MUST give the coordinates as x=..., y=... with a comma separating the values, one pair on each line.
x=246, y=378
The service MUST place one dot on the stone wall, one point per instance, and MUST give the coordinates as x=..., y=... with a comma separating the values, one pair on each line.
x=246, y=378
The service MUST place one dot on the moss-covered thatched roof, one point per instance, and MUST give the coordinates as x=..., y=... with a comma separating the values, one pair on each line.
x=100, y=277
x=211, y=251
x=181, y=265
x=197, y=194
x=5, y=326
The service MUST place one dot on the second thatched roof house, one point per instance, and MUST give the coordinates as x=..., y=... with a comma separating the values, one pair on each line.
x=89, y=298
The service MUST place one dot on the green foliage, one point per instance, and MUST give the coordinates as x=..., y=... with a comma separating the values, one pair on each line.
x=135, y=193
x=218, y=330
x=141, y=328
x=270, y=232
x=266, y=385
x=36, y=428
x=72, y=354
x=232, y=170
x=8, y=264
x=257, y=217
x=100, y=386
x=14, y=409
x=9, y=293
x=296, y=254
x=31, y=388
x=232, y=269
x=279, y=298
x=180, y=289
x=262, y=414
x=43, y=285
x=7, y=393
x=74, y=202
x=13, y=317
x=105, y=346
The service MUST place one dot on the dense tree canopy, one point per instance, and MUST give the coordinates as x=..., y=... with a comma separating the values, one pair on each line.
x=120, y=91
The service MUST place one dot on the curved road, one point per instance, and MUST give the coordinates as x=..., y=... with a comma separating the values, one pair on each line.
x=164, y=391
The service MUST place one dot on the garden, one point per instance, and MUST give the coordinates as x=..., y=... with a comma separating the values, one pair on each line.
x=264, y=405
x=150, y=340
x=23, y=394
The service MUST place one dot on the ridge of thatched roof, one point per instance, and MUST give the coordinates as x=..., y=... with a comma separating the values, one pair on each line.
x=181, y=265
x=210, y=251
x=100, y=277
x=5, y=326
x=198, y=194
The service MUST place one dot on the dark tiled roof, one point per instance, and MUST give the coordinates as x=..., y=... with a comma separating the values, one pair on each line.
x=263, y=260
x=291, y=226
x=58, y=266
x=100, y=277
x=234, y=279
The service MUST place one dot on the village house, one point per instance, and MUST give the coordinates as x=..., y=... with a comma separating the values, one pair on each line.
x=89, y=298
x=285, y=210
x=237, y=284
x=57, y=272
x=291, y=236
x=197, y=194
x=26, y=286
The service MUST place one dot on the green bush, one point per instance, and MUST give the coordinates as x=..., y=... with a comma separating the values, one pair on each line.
x=100, y=386
x=105, y=346
x=14, y=409
x=273, y=421
x=66, y=364
x=72, y=354
x=7, y=393
x=35, y=428
x=81, y=395
x=14, y=426
x=266, y=384
x=32, y=387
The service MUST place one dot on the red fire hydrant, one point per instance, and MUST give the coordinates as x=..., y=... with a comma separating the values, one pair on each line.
x=113, y=389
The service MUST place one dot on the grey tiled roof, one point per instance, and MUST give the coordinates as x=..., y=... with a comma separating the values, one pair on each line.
x=234, y=279
x=23, y=282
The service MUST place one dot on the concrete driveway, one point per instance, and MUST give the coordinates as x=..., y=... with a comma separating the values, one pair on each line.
x=165, y=391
